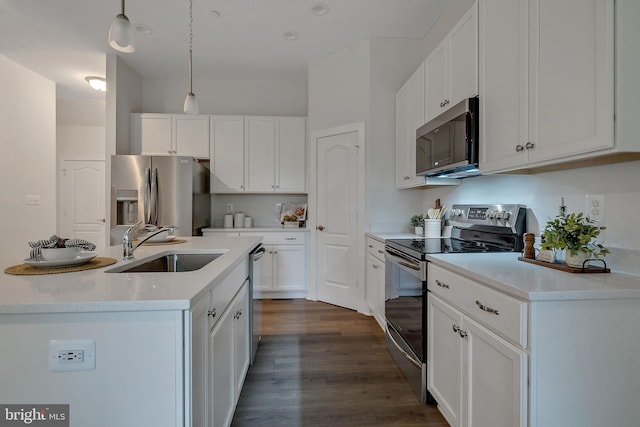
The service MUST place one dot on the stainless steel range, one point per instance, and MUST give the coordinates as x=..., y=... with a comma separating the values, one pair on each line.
x=476, y=228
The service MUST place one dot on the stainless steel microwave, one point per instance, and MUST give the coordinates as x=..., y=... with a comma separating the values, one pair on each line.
x=447, y=146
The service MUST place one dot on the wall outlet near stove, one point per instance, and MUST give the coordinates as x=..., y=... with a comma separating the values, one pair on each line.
x=595, y=207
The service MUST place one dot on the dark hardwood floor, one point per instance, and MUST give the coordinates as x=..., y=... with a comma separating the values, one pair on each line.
x=321, y=365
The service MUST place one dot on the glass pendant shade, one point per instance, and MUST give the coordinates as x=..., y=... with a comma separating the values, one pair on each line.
x=191, y=104
x=121, y=33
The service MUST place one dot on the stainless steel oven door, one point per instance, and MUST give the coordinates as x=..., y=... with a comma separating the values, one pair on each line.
x=405, y=313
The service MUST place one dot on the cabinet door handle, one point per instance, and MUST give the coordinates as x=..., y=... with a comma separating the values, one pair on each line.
x=456, y=328
x=529, y=145
x=442, y=285
x=320, y=227
x=212, y=313
x=374, y=266
x=519, y=148
x=463, y=334
x=380, y=252
x=371, y=246
x=487, y=309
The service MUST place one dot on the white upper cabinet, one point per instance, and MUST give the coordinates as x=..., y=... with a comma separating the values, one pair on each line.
x=261, y=153
x=409, y=117
x=451, y=71
x=275, y=154
x=227, y=150
x=291, y=155
x=546, y=81
x=170, y=135
x=190, y=135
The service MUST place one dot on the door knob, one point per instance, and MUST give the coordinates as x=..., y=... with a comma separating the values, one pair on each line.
x=320, y=227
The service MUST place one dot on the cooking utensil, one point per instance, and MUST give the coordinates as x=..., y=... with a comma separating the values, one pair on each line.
x=431, y=213
x=443, y=210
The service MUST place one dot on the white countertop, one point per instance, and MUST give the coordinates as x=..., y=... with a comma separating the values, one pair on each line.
x=504, y=272
x=97, y=291
x=257, y=229
x=392, y=235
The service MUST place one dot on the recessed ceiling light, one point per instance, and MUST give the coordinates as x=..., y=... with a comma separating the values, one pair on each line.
x=319, y=9
x=214, y=13
x=98, y=83
x=290, y=35
x=143, y=29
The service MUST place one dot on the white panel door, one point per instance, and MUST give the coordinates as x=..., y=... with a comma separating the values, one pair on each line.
x=337, y=218
x=82, y=197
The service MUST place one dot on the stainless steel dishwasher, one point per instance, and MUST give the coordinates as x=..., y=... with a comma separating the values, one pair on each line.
x=255, y=312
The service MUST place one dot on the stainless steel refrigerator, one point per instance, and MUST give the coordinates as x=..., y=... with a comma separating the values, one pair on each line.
x=160, y=190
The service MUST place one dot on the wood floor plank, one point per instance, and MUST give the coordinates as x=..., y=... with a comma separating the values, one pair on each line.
x=320, y=365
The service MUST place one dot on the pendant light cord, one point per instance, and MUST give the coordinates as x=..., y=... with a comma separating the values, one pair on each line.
x=190, y=46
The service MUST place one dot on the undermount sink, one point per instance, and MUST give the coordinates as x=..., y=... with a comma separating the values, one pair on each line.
x=169, y=263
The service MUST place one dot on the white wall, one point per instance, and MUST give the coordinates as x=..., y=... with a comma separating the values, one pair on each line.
x=542, y=193
x=80, y=129
x=236, y=97
x=28, y=165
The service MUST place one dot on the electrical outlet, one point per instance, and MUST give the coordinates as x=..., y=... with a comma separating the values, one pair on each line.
x=33, y=199
x=595, y=207
x=278, y=207
x=72, y=355
x=229, y=207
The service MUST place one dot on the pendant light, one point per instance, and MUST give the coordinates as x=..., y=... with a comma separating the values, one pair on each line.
x=190, y=102
x=121, y=33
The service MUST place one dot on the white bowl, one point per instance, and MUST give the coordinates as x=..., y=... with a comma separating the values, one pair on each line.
x=59, y=254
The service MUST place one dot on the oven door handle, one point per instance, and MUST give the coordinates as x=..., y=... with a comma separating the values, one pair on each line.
x=395, y=257
x=404, y=353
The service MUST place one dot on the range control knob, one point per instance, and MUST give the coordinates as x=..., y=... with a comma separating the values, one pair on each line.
x=492, y=214
x=506, y=215
x=499, y=215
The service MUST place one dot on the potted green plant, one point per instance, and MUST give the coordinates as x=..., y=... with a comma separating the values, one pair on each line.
x=576, y=234
x=418, y=222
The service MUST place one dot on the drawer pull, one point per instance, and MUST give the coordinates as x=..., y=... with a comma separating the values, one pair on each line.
x=380, y=252
x=487, y=309
x=371, y=246
x=442, y=285
x=212, y=313
x=290, y=238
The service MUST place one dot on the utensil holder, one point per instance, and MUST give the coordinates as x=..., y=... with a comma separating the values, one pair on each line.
x=432, y=228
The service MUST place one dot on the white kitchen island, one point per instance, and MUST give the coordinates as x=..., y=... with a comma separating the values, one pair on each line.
x=515, y=344
x=166, y=344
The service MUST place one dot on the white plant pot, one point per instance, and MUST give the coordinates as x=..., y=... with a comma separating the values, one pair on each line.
x=576, y=260
x=419, y=231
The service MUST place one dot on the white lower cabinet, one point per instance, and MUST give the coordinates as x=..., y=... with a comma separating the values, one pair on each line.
x=284, y=265
x=219, y=351
x=477, y=377
x=375, y=278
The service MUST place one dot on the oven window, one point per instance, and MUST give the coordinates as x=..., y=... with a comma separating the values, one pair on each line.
x=404, y=307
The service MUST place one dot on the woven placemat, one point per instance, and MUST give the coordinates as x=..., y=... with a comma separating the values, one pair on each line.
x=170, y=242
x=29, y=270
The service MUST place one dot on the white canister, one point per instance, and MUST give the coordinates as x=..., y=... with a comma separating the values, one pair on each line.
x=248, y=222
x=238, y=221
x=228, y=221
x=432, y=228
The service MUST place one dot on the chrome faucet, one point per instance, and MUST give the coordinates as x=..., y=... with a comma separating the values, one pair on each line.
x=128, y=238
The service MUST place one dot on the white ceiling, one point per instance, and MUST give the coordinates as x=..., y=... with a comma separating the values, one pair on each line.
x=66, y=40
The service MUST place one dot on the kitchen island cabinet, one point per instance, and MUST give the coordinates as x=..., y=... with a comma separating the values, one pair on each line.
x=152, y=331
x=515, y=344
x=375, y=277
